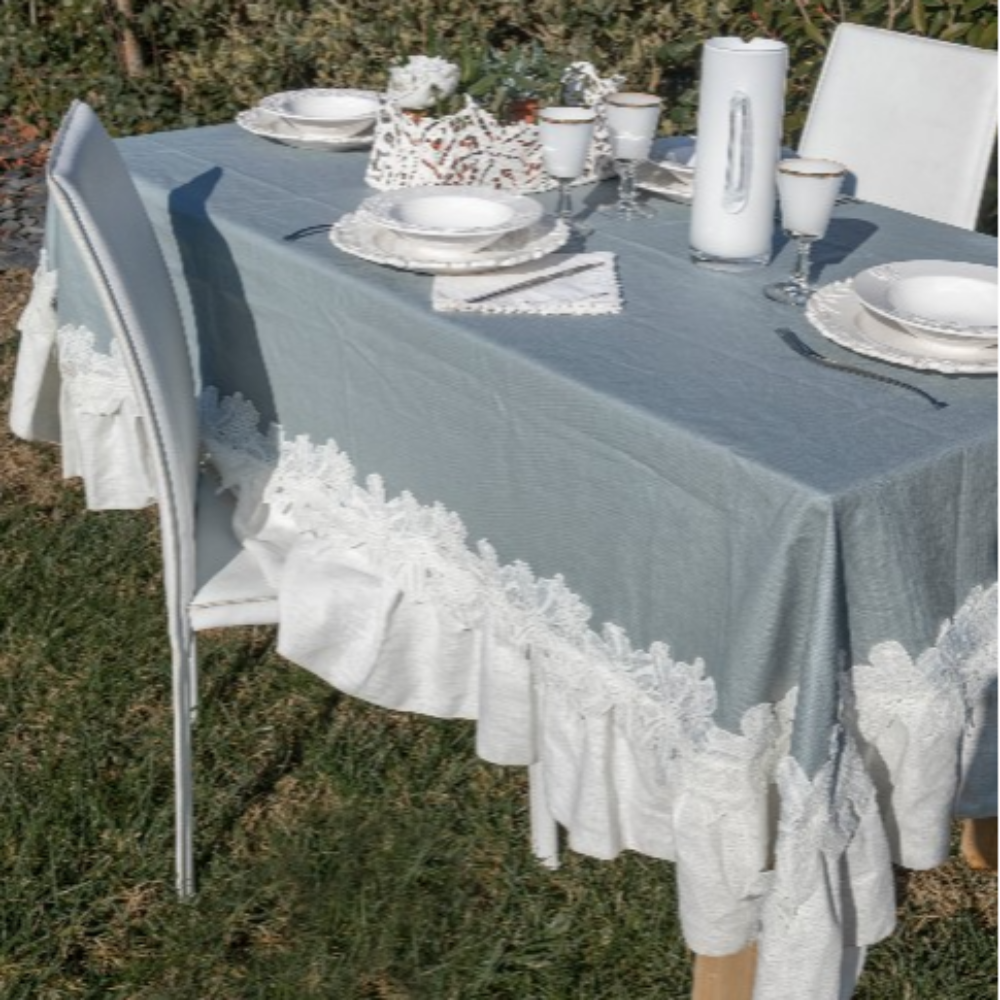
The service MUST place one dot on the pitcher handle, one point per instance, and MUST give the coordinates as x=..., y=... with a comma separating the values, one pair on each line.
x=740, y=155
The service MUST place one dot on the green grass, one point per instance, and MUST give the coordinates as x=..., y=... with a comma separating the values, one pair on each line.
x=344, y=852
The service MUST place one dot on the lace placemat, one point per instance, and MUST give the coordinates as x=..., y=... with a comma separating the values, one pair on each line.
x=591, y=292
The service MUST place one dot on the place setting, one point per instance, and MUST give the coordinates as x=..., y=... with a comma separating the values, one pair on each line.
x=928, y=315
x=490, y=250
x=493, y=250
x=322, y=118
x=449, y=229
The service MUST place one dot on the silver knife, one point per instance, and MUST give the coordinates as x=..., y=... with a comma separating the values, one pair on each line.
x=532, y=280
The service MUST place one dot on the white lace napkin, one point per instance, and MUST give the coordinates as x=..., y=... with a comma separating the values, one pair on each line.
x=593, y=292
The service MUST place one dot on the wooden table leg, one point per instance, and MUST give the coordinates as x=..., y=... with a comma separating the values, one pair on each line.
x=727, y=978
x=979, y=843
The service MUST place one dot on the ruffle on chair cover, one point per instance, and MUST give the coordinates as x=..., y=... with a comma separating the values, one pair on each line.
x=384, y=598
x=34, y=403
x=66, y=390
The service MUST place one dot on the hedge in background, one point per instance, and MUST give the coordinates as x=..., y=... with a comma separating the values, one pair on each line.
x=147, y=65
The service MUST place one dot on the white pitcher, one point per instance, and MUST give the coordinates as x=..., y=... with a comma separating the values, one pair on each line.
x=741, y=106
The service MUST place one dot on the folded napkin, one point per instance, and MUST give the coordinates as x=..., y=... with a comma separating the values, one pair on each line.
x=593, y=292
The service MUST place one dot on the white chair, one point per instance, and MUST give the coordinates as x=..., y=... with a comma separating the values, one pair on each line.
x=210, y=581
x=912, y=118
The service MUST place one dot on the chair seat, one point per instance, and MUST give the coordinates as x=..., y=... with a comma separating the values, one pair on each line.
x=231, y=589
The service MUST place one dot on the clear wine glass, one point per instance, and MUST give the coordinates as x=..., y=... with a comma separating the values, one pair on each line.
x=632, y=120
x=565, y=134
x=807, y=190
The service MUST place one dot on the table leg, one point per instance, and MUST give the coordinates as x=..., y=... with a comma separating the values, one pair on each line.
x=727, y=978
x=979, y=843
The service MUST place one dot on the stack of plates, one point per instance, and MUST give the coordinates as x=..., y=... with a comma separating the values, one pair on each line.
x=938, y=315
x=669, y=172
x=319, y=118
x=449, y=229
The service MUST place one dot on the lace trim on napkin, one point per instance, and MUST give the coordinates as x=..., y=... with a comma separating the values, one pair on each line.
x=594, y=292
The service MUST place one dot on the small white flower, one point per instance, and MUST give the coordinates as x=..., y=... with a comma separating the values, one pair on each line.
x=422, y=81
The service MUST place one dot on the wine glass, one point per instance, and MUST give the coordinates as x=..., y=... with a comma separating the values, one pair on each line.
x=807, y=190
x=565, y=134
x=632, y=119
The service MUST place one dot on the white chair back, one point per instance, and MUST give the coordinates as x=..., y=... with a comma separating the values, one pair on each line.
x=91, y=187
x=912, y=118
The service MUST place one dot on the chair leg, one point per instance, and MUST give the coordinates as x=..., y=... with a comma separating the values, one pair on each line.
x=192, y=666
x=183, y=776
x=729, y=977
x=979, y=843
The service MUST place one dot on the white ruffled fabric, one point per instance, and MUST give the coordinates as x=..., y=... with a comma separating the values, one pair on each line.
x=66, y=390
x=594, y=292
x=625, y=741
x=34, y=403
x=385, y=599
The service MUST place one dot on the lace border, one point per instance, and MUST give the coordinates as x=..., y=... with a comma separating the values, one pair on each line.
x=630, y=751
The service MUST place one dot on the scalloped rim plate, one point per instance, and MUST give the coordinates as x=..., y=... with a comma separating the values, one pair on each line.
x=361, y=236
x=839, y=315
x=276, y=104
x=874, y=288
x=262, y=123
x=520, y=210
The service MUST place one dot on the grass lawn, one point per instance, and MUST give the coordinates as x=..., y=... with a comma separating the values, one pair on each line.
x=344, y=852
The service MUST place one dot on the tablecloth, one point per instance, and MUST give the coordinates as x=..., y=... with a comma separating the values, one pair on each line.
x=796, y=679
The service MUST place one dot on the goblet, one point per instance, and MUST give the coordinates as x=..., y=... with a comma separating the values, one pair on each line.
x=632, y=120
x=807, y=190
x=565, y=135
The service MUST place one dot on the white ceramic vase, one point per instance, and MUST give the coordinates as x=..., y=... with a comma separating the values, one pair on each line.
x=741, y=107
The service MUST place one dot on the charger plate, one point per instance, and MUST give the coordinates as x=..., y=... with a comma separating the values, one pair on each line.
x=360, y=235
x=839, y=315
x=267, y=126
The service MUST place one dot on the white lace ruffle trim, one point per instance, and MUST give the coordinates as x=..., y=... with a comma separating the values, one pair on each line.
x=66, y=390
x=631, y=757
x=384, y=598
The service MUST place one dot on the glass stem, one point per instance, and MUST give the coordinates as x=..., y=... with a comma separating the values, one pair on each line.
x=626, y=187
x=803, y=263
x=564, y=205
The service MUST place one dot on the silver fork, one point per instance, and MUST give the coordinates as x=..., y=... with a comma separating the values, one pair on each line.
x=797, y=344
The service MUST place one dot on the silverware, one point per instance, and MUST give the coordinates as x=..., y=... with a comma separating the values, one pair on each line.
x=320, y=227
x=797, y=344
x=530, y=282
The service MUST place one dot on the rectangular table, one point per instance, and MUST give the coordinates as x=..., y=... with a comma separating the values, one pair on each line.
x=816, y=550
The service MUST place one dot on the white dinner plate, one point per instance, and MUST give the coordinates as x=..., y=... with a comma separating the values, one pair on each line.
x=267, y=126
x=669, y=171
x=839, y=314
x=452, y=210
x=359, y=234
x=339, y=112
x=940, y=300
x=649, y=177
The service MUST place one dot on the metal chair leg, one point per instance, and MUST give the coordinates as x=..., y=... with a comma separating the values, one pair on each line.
x=183, y=775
